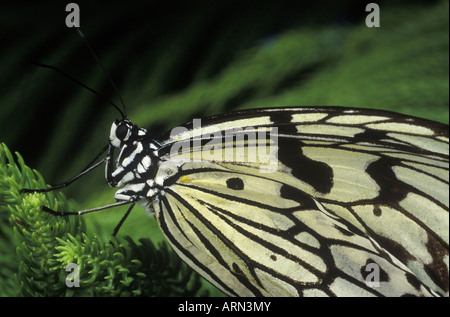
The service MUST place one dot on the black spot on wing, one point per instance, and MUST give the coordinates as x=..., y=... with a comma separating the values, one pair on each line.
x=235, y=183
x=377, y=211
x=370, y=135
x=317, y=174
x=283, y=120
x=376, y=273
x=391, y=189
x=292, y=193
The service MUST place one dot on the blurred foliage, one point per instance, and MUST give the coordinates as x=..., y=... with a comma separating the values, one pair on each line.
x=173, y=62
x=45, y=244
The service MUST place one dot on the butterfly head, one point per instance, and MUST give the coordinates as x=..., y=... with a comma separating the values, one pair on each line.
x=124, y=131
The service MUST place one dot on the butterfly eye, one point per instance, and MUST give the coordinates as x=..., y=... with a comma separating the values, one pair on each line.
x=122, y=131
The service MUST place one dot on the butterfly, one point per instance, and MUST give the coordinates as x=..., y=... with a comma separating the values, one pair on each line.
x=303, y=201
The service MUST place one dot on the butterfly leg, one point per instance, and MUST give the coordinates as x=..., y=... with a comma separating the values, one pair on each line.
x=84, y=211
x=119, y=225
x=91, y=166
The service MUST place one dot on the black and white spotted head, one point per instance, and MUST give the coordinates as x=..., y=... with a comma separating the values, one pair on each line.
x=124, y=131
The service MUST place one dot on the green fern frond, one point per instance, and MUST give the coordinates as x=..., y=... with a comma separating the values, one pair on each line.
x=34, y=231
x=45, y=244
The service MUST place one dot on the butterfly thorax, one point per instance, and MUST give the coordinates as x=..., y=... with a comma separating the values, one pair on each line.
x=136, y=163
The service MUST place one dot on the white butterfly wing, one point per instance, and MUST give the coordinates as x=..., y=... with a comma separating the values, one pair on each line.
x=349, y=187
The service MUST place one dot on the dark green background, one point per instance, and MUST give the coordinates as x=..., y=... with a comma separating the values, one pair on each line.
x=174, y=61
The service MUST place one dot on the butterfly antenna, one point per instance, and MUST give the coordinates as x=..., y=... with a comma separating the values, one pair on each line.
x=124, y=113
x=78, y=83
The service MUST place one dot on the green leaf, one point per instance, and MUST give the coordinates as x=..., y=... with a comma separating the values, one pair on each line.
x=45, y=244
